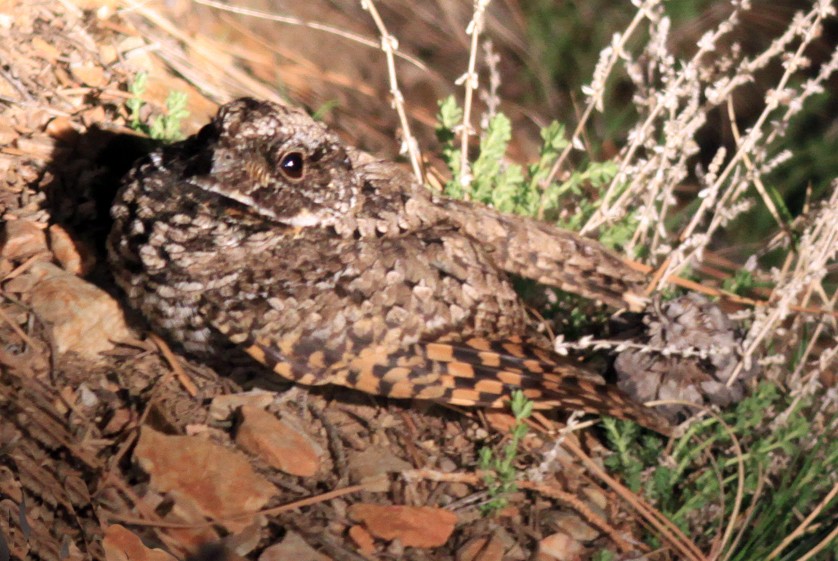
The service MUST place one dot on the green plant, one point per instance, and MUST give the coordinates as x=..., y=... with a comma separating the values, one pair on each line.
x=524, y=190
x=135, y=103
x=788, y=466
x=165, y=127
x=499, y=472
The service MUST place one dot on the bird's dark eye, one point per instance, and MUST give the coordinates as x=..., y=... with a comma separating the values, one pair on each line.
x=291, y=165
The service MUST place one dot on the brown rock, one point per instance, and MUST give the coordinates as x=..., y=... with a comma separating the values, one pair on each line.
x=94, y=115
x=222, y=406
x=122, y=545
x=277, y=442
x=7, y=134
x=44, y=49
x=575, y=527
x=362, y=539
x=413, y=526
x=89, y=75
x=560, y=547
x=65, y=251
x=22, y=239
x=39, y=146
x=371, y=466
x=482, y=549
x=118, y=421
x=293, y=547
x=80, y=316
x=108, y=54
x=219, y=482
x=62, y=129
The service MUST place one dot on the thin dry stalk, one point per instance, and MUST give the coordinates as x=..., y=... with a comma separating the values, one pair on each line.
x=818, y=246
x=666, y=529
x=471, y=82
x=758, y=184
x=801, y=529
x=740, y=471
x=291, y=20
x=390, y=45
x=745, y=525
x=608, y=60
x=809, y=27
x=682, y=86
x=174, y=363
x=824, y=543
x=194, y=72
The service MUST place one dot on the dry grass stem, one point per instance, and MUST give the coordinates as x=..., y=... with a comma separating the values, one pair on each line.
x=817, y=247
x=665, y=529
x=608, y=59
x=390, y=45
x=724, y=207
x=470, y=81
x=804, y=525
x=291, y=20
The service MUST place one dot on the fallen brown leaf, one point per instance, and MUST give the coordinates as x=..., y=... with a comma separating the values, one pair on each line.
x=277, y=442
x=413, y=526
x=122, y=545
x=218, y=481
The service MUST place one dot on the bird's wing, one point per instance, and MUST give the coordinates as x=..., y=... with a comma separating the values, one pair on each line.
x=317, y=299
x=552, y=256
x=425, y=316
x=472, y=373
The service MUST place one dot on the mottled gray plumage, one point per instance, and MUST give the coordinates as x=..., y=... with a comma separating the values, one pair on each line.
x=264, y=232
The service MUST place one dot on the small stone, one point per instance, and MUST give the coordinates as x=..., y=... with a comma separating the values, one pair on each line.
x=597, y=499
x=38, y=146
x=371, y=466
x=44, y=50
x=62, y=129
x=223, y=406
x=23, y=239
x=118, y=422
x=120, y=544
x=560, y=547
x=203, y=476
x=575, y=527
x=81, y=317
x=65, y=251
x=7, y=134
x=108, y=53
x=362, y=539
x=89, y=74
x=93, y=116
x=278, y=443
x=482, y=549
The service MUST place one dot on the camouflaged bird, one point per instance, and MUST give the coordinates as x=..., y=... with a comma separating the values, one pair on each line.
x=265, y=232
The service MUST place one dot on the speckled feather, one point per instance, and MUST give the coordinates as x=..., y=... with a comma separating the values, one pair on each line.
x=265, y=233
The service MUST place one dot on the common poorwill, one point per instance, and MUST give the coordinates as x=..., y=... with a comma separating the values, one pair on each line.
x=265, y=233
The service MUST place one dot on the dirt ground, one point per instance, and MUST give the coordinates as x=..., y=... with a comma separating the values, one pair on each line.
x=112, y=447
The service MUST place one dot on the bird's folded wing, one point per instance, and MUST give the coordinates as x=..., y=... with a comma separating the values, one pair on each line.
x=552, y=256
x=472, y=373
